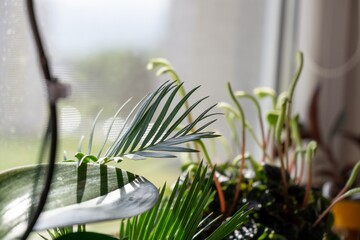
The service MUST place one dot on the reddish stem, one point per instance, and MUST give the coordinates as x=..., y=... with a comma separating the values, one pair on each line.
x=308, y=186
x=283, y=172
x=241, y=169
x=302, y=166
x=221, y=196
x=263, y=140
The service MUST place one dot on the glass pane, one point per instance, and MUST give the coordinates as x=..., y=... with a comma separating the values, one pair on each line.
x=101, y=49
x=22, y=92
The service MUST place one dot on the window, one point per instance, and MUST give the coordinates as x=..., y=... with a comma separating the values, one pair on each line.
x=101, y=48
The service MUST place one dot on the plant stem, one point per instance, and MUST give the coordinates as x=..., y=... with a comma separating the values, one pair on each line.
x=258, y=109
x=219, y=190
x=278, y=131
x=325, y=212
x=293, y=164
x=283, y=172
x=287, y=138
x=242, y=164
x=308, y=186
x=336, y=200
x=351, y=179
x=270, y=142
x=300, y=63
x=310, y=154
x=264, y=139
x=302, y=166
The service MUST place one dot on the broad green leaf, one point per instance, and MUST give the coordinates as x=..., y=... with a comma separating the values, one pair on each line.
x=272, y=117
x=78, y=195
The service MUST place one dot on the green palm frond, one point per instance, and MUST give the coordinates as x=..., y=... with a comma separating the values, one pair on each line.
x=181, y=216
x=150, y=130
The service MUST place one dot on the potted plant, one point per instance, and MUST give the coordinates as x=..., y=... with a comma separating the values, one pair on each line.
x=86, y=189
x=283, y=207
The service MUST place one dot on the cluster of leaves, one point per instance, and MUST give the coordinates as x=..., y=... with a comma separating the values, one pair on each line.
x=181, y=215
x=150, y=130
x=273, y=216
x=207, y=204
x=283, y=207
x=178, y=216
x=85, y=189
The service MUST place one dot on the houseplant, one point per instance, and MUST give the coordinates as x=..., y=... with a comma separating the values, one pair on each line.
x=135, y=144
x=85, y=189
x=283, y=207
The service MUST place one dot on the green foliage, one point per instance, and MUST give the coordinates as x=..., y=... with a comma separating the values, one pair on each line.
x=79, y=195
x=275, y=215
x=180, y=215
x=282, y=207
x=62, y=231
x=148, y=134
x=151, y=130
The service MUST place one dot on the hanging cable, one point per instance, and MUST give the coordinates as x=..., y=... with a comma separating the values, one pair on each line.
x=55, y=91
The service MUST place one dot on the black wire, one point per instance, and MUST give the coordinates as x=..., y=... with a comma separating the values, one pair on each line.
x=52, y=120
x=39, y=45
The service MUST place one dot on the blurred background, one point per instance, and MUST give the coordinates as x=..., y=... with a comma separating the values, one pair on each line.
x=101, y=49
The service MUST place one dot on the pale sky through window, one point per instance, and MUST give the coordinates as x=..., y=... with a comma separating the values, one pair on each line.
x=81, y=26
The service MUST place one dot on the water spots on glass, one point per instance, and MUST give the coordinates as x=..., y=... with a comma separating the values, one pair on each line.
x=70, y=119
